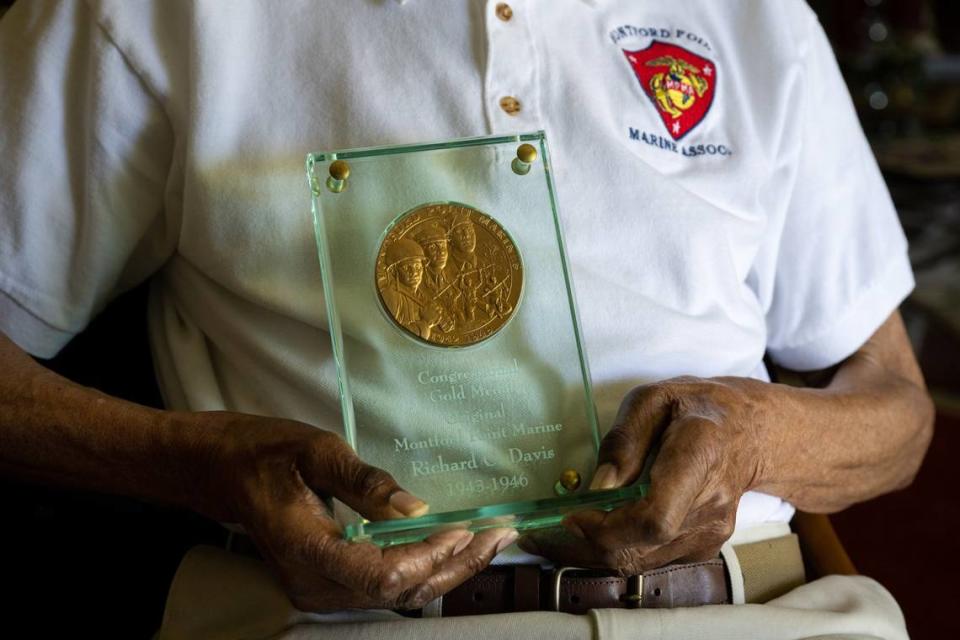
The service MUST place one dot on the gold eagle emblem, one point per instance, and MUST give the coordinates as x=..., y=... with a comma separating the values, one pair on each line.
x=677, y=88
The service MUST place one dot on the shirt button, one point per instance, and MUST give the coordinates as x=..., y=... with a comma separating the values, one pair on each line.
x=510, y=104
x=504, y=12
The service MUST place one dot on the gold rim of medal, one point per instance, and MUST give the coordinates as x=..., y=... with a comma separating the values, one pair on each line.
x=449, y=274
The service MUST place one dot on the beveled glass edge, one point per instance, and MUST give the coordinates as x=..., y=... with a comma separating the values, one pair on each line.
x=370, y=152
x=333, y=318
x=571, y=297
x=522, y=515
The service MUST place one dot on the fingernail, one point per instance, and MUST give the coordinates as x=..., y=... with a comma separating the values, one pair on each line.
x=507, y=539
x=463, y=542
x=408, y=505
x=605, y=477
x=574, y=528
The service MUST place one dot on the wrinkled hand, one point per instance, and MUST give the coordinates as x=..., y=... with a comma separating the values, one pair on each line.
x=271, y=475
x=709, y=456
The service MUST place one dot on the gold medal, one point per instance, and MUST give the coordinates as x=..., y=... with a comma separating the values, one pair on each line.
x=449, y=274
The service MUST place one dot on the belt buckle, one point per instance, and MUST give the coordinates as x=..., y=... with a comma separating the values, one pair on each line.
x=633, y=595
x=557, y=574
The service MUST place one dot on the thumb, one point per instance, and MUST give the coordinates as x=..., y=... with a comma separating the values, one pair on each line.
x=335, y=470
x=624, y=451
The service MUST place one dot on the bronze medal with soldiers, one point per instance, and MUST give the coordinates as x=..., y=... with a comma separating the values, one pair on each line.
x=449, y=274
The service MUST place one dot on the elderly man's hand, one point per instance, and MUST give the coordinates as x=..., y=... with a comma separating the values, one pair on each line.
x=822, y=449
x=709, y=457
x=271, y=475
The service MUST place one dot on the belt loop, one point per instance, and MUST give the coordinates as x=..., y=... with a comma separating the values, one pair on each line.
x=634, y=595
x=433, y=609
x=729, y=554
x=526, y=588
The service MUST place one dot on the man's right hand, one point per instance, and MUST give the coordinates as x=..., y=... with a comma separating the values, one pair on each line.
x=271, y=475
x=267, y=474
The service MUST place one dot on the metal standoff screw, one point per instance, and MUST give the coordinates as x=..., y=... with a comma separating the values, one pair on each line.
x=526, y=156
x=568, y=483
x=339, y=172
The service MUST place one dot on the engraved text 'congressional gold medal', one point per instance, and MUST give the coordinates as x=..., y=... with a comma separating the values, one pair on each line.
x=449, y=274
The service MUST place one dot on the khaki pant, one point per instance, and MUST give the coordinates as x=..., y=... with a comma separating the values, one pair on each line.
x=218, y=595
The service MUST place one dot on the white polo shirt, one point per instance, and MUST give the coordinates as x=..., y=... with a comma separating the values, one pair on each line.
x=716, y=192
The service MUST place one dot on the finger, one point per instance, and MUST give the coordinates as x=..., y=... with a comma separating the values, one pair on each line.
x=684, y=550
x=333, y=468
x=617, y=529
x=294, y=541
x=477, y=555
x=406, y=566
x=300, y=534
x=383, y=574
x=678, y=476
x=294, y=528
x=564, y=549
x=697, y=544
x=305, y=546
x=381, y=588
x=627, y=560
x=642, y=415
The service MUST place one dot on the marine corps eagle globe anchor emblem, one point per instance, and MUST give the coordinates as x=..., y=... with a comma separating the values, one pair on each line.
x=679, y=83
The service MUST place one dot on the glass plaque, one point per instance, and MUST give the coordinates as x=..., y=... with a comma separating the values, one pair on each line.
x=460, y=361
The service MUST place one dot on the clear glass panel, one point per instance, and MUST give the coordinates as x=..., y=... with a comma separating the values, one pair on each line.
x=454, y=328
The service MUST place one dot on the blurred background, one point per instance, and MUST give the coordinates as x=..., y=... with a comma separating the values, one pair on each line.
x=901, y=59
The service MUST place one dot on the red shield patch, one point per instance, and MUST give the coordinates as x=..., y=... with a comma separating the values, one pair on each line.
x=680, y=84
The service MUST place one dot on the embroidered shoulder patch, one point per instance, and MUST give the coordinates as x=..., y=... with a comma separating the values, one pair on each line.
x=679, y=83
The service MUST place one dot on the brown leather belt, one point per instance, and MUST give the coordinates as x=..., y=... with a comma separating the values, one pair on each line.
x=508, y=588
x=524, y=587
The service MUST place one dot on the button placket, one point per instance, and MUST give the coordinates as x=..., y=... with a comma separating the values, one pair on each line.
x=512, y=97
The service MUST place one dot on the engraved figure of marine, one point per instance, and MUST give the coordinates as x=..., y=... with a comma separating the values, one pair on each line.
x=402, y=295
x=439, y=276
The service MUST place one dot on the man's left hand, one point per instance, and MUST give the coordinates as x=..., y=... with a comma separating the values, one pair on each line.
x=710, y=455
